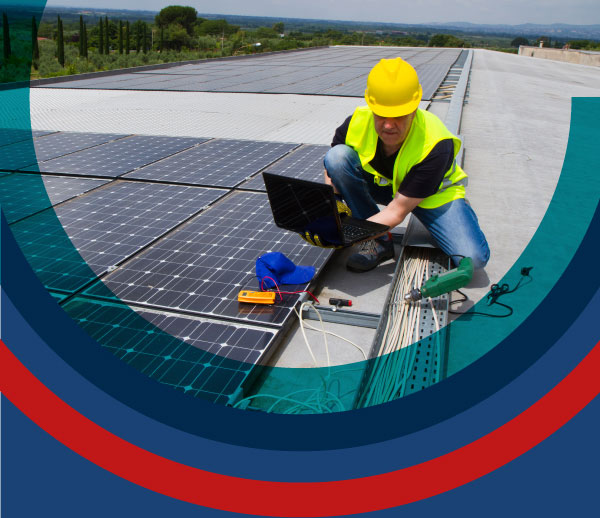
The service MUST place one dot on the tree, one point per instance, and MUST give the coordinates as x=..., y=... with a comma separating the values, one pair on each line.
x=278, y=27
x=106, y=37
x=81, y=37
x=519, y=41
x=219, y=28
x=60, y=43
x=127, y=38
x=184, y=16
x=144, y=37
x=6, y=36
x=101, y=37
x=445, y=40
x=120, y=37
x=85, y=41
x=34, y=43
x=138, y=36
x=161, y=42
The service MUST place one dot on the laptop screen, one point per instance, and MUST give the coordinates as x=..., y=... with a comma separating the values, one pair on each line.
x=303, y=206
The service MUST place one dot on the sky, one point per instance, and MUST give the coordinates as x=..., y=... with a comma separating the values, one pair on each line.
x=512, y=12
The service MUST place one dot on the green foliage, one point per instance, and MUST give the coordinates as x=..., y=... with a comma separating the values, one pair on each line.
x=34, y=44
x=6, y=37
x=127, y=38
x=60, y=44
x=278, y=27
x=106, y=37
x=219, y=28
x=519, y=41
x=446, y=40
x=175, y=14
x=584, y=44
x=120, y=37
x=101, y=37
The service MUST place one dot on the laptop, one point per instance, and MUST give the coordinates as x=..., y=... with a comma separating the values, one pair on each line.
x=301, y=206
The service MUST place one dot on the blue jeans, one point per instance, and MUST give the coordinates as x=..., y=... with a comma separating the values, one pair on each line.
x=454, y=225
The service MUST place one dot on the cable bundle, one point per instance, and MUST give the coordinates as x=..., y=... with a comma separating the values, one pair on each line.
x=395, y=357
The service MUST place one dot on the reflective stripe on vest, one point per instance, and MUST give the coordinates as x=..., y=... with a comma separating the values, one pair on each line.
x=425, y=132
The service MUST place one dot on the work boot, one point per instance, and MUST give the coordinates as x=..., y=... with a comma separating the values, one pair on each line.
x=370, y=254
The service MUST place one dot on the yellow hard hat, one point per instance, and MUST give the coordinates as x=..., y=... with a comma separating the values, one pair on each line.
x=393, y=88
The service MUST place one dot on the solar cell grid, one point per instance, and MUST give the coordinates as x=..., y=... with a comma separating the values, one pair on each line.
x=305, y=163
x=203, y=358
x=24, y=194
x=202, y=266
x=105, y=226
x=118, y=157
x=218, y=163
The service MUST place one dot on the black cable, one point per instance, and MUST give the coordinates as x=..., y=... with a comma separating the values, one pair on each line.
x=496, y=291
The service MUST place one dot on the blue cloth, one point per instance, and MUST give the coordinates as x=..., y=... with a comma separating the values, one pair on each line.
x=454, y=226
x=282, y=270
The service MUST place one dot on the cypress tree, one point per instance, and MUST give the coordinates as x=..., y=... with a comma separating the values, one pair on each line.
x=145, y=38
x=6, y=35
x=80, y=36
x=60, y=43
x=85, y=41
x=106, y=37
x=34, y=42
x=162, y=39
x=120, y=37
x=138, y=37
x=101, y=37
x=127, y=38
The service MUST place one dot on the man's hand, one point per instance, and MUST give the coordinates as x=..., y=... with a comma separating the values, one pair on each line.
x=315, y=240
x=396, y=211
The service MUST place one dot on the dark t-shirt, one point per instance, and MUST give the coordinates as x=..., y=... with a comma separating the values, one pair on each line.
x=423, y=179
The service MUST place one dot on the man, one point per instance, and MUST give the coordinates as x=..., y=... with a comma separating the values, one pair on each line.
x=394, y=154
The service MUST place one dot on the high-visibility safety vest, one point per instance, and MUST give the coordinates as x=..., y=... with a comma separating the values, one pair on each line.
x=425, y=132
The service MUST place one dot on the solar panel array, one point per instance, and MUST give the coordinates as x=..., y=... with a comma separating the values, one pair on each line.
x=178, y=253
x=340, y=71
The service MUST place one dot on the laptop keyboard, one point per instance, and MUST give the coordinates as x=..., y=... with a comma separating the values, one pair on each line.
x=354, y=233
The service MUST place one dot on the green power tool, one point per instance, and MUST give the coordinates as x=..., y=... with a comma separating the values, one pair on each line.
x=444, y=283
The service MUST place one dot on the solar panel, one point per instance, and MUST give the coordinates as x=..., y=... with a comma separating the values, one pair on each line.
x=12, y=135
x=22, y=154
x=305, y=163
x=106, y=226
x=218, y=163
x=203, y=358
x=24, y=194
x=118, y=157
x=202, y=266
